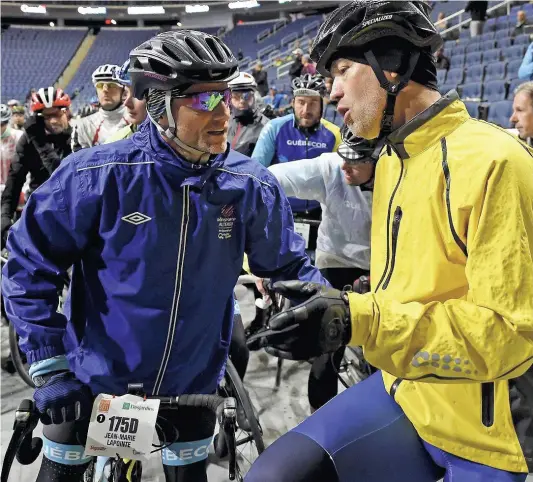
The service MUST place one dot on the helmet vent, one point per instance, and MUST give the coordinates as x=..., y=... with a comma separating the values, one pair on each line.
x=195, y=48
x=215, y=48
x=160, y=68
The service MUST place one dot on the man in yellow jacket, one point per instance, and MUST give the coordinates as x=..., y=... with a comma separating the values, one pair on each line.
x=449, y=320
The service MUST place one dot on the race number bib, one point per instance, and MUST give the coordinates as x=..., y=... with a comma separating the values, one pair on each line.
x=303, y=230
x=122, y=426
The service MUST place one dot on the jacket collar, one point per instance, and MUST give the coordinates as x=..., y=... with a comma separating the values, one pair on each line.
x=428, y=127
x=149, y=140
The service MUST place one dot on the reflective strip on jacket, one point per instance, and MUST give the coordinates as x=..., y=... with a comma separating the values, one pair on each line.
x=157, y=246
x=450, y=316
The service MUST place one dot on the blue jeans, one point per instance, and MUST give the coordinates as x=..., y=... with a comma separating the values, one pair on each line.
x=362, y=435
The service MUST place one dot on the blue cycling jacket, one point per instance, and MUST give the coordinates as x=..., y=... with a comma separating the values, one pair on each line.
x=282, y=141
x=157, y=246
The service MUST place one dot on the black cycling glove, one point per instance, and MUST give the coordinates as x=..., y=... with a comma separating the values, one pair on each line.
x=320, y=324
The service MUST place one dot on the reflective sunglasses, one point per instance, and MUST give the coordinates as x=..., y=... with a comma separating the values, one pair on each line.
x=110, y=85
x=207, y=101
x=246, y=96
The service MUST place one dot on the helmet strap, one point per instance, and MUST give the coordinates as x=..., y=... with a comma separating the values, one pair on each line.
x=170, y=133
x=392, y=89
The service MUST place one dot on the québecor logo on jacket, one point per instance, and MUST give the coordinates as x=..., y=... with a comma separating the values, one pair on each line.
x=311, y=144
x=225, y=221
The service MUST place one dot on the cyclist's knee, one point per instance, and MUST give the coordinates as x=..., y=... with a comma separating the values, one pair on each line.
x=293, y=458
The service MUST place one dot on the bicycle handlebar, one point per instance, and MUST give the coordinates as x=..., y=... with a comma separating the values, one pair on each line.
x=27, y=448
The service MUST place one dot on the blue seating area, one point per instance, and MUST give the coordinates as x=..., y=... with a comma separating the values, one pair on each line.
x=43, y=53
x=112, y=46
x=484, y=70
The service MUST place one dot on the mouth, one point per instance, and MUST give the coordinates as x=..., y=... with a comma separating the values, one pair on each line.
x=220, y=132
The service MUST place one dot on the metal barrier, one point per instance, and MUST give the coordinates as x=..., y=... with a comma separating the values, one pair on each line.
x=273, y=54
x=505, y=3
x=311, y=26
x=288, y=38
x=283, y=70
x=265, y=50
x=263, y=35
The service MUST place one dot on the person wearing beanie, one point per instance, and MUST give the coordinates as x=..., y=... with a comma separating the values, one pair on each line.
x=449, y=319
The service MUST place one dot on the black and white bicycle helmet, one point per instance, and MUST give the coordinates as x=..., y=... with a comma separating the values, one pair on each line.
x=309, y=85
x=105, y=73
x=5, y=113
x=353, y=149
x=244, y=81
x=179, y=59
x=353, y=27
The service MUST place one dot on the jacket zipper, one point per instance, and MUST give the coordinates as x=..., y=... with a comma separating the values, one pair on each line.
x=307, y=147
x=177, y=292
x=395, y=230
x=487, y=404
x=394, y=387
x=388, y=226
x=447, y=177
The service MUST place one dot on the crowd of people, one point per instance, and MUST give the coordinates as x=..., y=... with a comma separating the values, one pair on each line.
x=179, y=173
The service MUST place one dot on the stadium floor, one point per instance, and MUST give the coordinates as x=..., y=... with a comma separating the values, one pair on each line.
x=279, y=410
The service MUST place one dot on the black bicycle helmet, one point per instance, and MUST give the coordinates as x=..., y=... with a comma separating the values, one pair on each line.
x=356, y=27
x=307, y=84
x=362, y=21
x=178, y=59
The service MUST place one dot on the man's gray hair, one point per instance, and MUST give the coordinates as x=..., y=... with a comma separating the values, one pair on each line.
x=526, y=87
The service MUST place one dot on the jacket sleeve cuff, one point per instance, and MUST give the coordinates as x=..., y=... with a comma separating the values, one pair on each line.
x=54, y=364
x=44, y=352
x=362, y=315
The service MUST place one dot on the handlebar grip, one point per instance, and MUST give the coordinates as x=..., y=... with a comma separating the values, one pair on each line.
x=211, y=402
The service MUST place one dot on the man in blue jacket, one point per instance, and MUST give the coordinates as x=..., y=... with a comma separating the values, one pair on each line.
x=156, y=227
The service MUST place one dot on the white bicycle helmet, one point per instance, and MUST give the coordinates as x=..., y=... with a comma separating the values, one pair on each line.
x=244, y=81
x=105, y=73
x=5, y=113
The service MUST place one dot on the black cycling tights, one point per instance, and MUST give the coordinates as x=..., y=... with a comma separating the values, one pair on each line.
x=67, y=439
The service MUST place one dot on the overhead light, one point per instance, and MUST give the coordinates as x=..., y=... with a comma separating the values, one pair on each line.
x=243, y=4
x=284, y=1
x=33, y=8
x=92, y=10
x=196, y=8
x=52, y=24
x=113, y=21
x=179, y=24
x=149, y=10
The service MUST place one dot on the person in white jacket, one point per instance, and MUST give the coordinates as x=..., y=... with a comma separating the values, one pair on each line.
x=342, y=183
x=97, y=128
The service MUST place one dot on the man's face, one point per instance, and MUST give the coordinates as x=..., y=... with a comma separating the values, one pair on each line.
x=357, y=174
x=55, y=119
x=521, y=16
x=307, y=110
x=136, y=109
x=18, y=119
x=243, y=99
x=3, y=127
x=361, y=108
x=109, y=94
x=523, y=114
x=206, y=131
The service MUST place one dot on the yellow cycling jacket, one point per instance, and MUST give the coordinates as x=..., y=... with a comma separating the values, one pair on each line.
x=450, y=318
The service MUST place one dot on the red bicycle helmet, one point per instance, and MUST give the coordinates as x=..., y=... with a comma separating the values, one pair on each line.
x=47, y=97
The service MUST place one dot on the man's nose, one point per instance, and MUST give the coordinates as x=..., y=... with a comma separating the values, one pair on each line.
x=337, y=92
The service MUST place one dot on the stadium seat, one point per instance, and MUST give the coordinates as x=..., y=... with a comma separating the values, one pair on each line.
x=449, y=45
x=473, y=90
x=465, y=34
x=487, y=36
x=474, y=73
x=512, y=68
x=513, y=86
x=495, y=71
x=516, y=52
x=441, y=76
x=445, y=88
x=500, y=112
x=494, y=90
x=457, y=61
x=492, y=55
x=455, y=76
x=490, y=25
x=504, y=42
x=488, y=45
x=522, y=40
x=458, y=50
x=473, y=47
x=473, y=58
x=472, y=107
